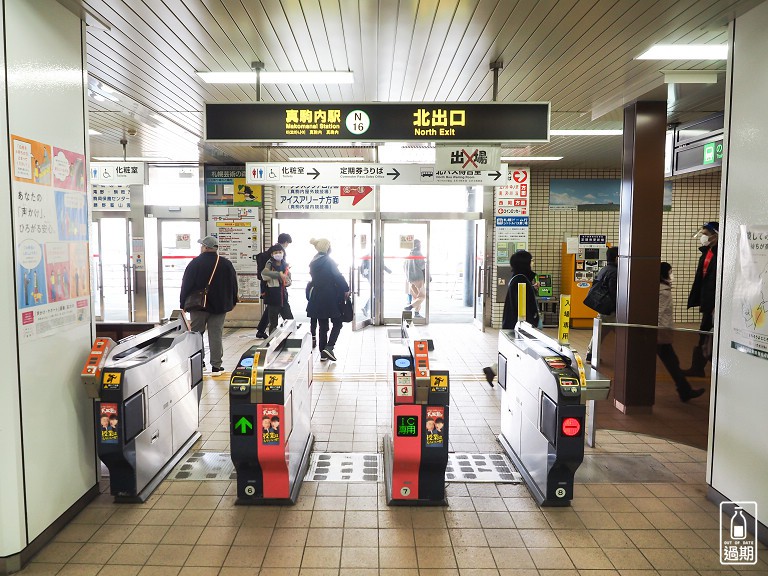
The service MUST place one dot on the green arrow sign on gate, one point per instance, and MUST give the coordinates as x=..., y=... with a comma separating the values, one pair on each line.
x=245, y=426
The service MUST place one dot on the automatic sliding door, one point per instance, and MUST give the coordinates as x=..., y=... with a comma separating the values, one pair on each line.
x=398, y=241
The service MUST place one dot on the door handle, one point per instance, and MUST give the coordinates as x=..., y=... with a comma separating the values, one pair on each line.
x=125, y=279
x=480, y=283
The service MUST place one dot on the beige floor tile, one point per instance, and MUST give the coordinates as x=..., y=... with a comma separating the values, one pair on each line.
x=521, y=504
x=631, y=521
x=612, y=539
x=282, y=557
x=325, y=557
x=397, y=558
x=327, y=536
x=94, y=553
x=586, y=504
x=182, y=535
x=217, y=535
x=193, y=518
x=93, y=515
x=433, y=518
x=41, y=569
x=686, y=539
x=360, y=503
x=58, y=552
x=478, y=572
x=460, y=503
x=203, y=502
x=426, y=538
x=80, y=569
x=398, y=572
x=262, y=517
x=550, y=558
x=457, y=520
x=357, y=572
x=159, y=570
x=361, y=537
x=473, y=557
x=170, y=555
x=172, y=502
x=147, y=534
x=467, y=537
x=227, y=517
x=253, y=536
x=207, y=555
x=400, y=518
x=504, y=538
x=199, y=571
x=289, y=537
x=495, y=520
x=326, y=519
x=128, y=516
x=119, y=570
x=76, y=533
x=331, y=503
x=539, y=539
x=361, y=519
x=397, y=537
x=665, y=559
x=160, y=517
x=587, y=572
x=617, y=504
x=133, y=554
x=439, y=572
x=589, y=559
x=512, y=558
x=360, y=557
x=627, y=559
x=188, y=487
x=435, y=557
x=647, y=538
x=518, y=572
x=529, y=520
x=576, y=539
x=665, y=520
x=115, y=534
x=254, y=556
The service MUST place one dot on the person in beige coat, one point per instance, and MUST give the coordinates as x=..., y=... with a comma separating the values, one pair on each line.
x=664, y=341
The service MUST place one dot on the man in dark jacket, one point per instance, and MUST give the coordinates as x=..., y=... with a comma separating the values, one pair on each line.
x=703, y=293
x=222, y=295
x=608, y=274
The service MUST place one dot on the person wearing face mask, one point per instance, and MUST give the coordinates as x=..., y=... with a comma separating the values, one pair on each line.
x=284, y=239
x=277, y=277
x=664, y=347
x=703, y=293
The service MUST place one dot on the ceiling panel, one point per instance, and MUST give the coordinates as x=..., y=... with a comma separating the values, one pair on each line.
x=577, y=54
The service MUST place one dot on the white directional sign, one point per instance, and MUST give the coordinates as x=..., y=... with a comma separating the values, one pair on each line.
x=467, y=156
x=358, y=174
x=117, y=173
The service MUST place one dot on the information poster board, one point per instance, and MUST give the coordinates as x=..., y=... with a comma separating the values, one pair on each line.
x=750, y=302
x=238, y=230
x=51, y=234
x=226, y=186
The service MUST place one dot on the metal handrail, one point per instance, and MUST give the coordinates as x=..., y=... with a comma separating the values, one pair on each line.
x=622, y=325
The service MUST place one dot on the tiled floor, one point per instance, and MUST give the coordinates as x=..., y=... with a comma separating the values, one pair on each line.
x=189, y=528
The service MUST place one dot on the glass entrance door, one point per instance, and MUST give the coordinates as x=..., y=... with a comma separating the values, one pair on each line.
x=178, y=246
x=112, y=269
x=405, y=277
x=478, y=310
x=363, y=269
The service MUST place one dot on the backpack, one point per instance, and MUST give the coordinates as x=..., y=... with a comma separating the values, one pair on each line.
x=261, y=260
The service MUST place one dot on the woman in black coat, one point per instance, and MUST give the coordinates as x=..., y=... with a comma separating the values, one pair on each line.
x=329, y=289
x=521, y=274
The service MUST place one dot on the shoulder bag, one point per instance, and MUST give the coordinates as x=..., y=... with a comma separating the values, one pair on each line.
x=600, y=299
x=347, y=312
x=198, y=299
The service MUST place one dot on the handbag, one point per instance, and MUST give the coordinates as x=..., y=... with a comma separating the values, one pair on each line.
x=600, y=299
x=347, y=312
x=197, y=300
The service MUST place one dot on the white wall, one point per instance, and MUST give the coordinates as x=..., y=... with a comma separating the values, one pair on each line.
x=43, y=394
x=738, y=456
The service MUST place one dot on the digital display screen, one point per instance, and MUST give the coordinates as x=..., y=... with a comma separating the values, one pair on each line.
x=408, y=426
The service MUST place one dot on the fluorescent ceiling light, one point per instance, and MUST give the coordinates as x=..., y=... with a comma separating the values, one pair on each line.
x=685, y=52
x=529, y=158
x=586, y=132
x=92, y=132
x=278, y=77
x=690, y=76
x=327, y=159
x=130, y=158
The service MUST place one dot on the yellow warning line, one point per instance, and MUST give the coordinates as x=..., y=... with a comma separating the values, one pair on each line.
x=383, y=377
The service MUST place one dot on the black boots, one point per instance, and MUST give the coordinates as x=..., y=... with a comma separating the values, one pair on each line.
x=698, y=362
x=690, y=394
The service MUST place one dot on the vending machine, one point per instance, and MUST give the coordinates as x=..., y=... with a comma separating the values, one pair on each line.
x=582, y=257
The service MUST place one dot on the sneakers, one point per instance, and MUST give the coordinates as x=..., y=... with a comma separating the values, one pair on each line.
x=261, y=335
x=691, y=394
x=216, y=369
x=489, y=375
x=409, y=307
x=328, y=354
x=417, y=315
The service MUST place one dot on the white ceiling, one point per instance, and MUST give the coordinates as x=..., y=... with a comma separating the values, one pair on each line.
x=142, y=56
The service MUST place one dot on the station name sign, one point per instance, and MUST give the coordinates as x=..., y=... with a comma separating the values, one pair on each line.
x=428, y=121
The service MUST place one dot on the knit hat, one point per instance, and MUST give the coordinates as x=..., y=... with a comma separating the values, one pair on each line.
x=321, y=245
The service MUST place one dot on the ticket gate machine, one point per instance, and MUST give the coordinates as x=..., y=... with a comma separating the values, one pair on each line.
x=147, y=393
x=270, y=408
x=542, y=417
x=416, y=455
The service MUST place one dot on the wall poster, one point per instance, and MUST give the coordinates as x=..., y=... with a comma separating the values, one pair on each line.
x=750, y=302
x=51, y=235
x=237, y=229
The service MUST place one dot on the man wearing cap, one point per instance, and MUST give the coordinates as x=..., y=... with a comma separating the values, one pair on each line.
x=222, y=295
x=703, y=292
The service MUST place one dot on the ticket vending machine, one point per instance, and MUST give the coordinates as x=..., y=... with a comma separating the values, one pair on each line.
x=542, y=417
x=416, y=454
x=147, y=393
x=270, y=408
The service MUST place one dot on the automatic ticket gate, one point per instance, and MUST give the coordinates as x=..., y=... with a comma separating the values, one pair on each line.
x=270, y=397
x=147, y=392
x=542, y=417
x=416, y=455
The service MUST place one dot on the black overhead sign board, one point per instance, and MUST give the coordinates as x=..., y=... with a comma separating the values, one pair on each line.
x=413, y=121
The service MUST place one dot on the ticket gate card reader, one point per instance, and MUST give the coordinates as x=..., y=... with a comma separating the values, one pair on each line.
x=416, y=455
x=270, y=399
x=542, y=417
x=147, y=392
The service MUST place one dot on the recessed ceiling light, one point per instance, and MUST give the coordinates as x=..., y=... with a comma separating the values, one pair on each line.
x=529, y=158
x=92, y=132
x=278, y=77
x=586, y=132
x=130, y=158
x=685, y=52
x=327, y=159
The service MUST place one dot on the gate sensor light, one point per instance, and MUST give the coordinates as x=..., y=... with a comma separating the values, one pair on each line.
x=571, y=426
